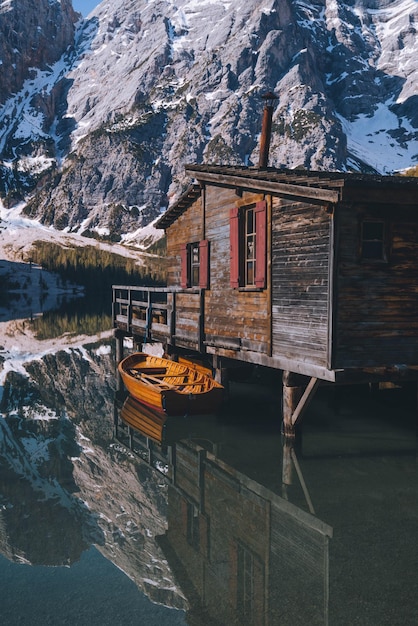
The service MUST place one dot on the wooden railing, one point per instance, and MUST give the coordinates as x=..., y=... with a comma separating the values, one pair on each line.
x=159, y=313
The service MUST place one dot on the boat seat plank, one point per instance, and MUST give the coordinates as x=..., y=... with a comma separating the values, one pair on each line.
x=150, y=370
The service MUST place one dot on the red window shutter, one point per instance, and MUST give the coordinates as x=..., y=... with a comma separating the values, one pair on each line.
x=261, y=243
x=184, y=281
x=234, y=247
x=204, y=264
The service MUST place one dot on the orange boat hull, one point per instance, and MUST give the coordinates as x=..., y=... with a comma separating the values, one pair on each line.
x=170, y=387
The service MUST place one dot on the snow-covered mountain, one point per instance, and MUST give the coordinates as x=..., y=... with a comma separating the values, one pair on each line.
x=96, y=127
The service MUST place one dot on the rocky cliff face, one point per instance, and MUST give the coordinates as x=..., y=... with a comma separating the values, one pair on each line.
x=98, y=141
x=33, y=35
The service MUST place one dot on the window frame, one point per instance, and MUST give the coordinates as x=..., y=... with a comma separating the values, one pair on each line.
x=194, y=260
x=188, y=278
x=239, y=239
x=382, y=241
x=249, y=256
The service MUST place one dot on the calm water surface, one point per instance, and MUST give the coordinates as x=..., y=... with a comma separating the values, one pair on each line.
x=220, y=522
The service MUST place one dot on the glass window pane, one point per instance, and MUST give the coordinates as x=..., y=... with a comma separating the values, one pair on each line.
x=372, y=250
x=250, y=221
x=250, y=273
x=194, y=264
x=373, y=230
x=373, y=240
x=251, y=247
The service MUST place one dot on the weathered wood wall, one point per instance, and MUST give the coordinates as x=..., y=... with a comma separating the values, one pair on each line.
x=322, y=308
x=233, y=318
x=377, y=311
x=231, y=313
x=186, y=229
x=301, y=239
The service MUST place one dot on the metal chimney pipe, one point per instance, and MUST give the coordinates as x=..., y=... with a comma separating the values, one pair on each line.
x=266, y=129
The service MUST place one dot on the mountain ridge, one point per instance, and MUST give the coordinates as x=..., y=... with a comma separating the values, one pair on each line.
x=146, y=87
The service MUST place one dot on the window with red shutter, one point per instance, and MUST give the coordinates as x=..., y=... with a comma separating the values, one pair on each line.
x=234, y=247
x=248, y=246
x=184, y=280
x=195, y=264
x=261, y=241
x=204, y=264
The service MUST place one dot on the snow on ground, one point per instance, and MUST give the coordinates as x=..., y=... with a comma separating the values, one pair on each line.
x=35, y=292
x=17, y=235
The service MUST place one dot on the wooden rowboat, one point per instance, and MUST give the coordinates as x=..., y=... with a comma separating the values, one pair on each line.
x=168, y=386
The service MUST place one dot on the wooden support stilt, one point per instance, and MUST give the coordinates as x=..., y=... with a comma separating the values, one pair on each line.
x=296, y=398
x=305, y=400
x=138, y=343
x=293, y=386
x=119, y=345
x=286, y=467
x=119, y=335
x=221, y=373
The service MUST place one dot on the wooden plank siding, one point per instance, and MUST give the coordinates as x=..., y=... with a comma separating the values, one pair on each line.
x=187, y=322
x=231, y=313
x=187, y=229
x=377, y=315
x=300, y=281
x=232, y=318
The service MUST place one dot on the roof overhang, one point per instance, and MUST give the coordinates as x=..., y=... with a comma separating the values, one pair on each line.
x=173, y=213
x=296, y=187
x=299, y=185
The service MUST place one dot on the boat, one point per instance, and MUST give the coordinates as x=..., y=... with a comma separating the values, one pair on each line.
x=170, y=387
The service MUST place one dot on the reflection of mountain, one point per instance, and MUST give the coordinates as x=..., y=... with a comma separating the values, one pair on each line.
x=36, y=494
x=62, y=490
x=208, y=532
x=242, y=554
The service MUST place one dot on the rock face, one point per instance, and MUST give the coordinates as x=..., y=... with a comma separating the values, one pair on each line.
x=98, y=140
x=32, y=35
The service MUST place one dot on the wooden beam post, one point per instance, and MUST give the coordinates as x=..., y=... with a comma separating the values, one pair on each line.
x=305, y=400
x=297, y=395
x=221, y=373
x=293, y=386
x=119, y=335
x=287, y=469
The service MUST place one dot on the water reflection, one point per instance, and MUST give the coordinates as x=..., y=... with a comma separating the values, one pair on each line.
x=205, y=519
x=243, y=554
x=321, y=536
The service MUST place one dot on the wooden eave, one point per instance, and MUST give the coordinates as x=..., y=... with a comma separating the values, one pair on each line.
x=299, y=185
x=330, y=187
x=315, y=186
x=179, y=207
x=396, y=190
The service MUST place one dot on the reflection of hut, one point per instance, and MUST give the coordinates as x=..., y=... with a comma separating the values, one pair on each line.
x=243, y=554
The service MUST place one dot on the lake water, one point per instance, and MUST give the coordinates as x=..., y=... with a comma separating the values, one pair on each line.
x=221, y=522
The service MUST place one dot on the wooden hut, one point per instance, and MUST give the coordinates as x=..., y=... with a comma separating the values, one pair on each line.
x=311, y=273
